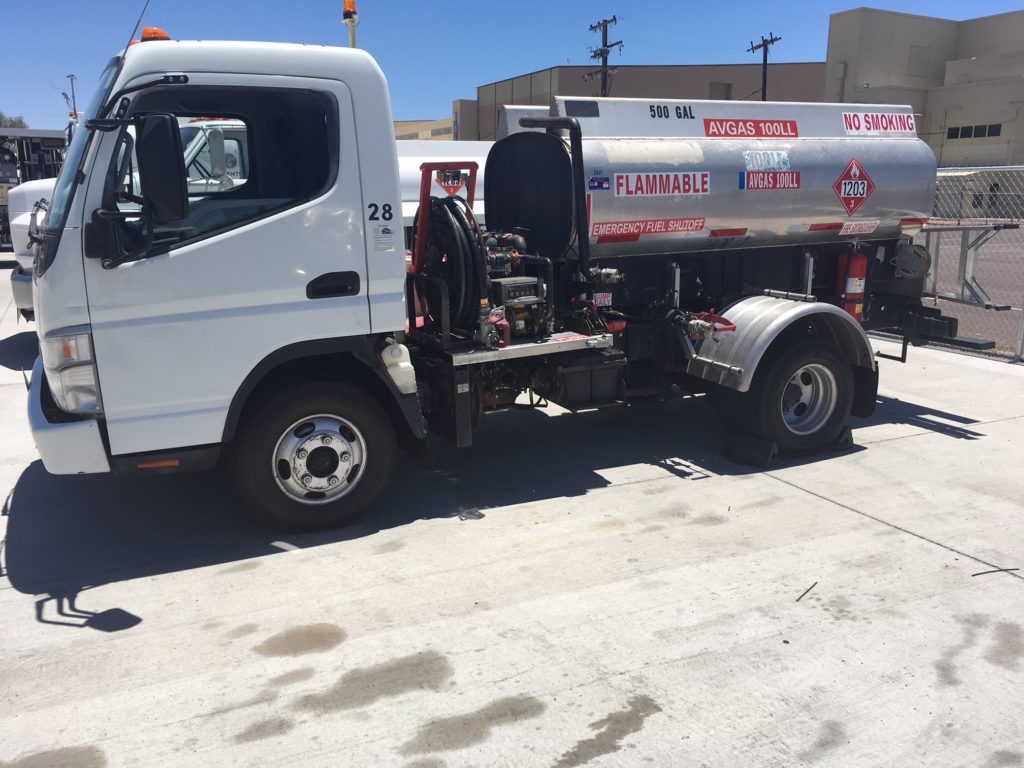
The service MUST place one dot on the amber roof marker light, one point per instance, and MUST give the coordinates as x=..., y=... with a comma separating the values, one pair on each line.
x=154, y=33
x=350, y=18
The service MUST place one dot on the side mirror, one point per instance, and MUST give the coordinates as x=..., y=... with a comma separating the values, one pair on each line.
x=218, y=161
x=159, y=151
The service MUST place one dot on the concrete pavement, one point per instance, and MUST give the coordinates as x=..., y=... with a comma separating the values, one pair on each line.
x=603, y=589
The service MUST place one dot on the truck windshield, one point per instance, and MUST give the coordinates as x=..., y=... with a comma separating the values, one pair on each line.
x=64, y=191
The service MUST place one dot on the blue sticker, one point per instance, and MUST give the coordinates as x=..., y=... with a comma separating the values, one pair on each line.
x=743, y=180
x=600, y=182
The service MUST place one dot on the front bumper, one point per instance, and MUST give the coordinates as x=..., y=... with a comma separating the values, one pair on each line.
x=73, y=447
x=21, y=287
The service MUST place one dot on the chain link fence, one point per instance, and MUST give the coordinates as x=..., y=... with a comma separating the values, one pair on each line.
x=980, y=251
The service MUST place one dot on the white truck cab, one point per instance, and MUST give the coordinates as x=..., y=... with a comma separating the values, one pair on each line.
x=304, y=252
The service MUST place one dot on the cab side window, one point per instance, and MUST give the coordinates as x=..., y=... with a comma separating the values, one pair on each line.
x=247, y=153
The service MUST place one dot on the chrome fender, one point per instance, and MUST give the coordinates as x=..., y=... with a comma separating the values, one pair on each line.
x=731, y=359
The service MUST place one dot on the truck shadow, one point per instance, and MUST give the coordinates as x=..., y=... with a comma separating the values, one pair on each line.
x=19, y=352
x=70, y=533
x=892, y=410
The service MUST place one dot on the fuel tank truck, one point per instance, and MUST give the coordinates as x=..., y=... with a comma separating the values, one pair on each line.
x=734, y=249
x=733, y=252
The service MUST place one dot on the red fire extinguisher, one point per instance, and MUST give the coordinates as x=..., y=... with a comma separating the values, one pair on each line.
x=851, y=276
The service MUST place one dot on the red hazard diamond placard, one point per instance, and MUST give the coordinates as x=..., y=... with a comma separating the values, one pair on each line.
x=853, y=187
x=450, y=181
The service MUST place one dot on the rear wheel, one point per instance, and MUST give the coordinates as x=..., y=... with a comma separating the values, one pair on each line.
x=800, y=398
x=314, y=456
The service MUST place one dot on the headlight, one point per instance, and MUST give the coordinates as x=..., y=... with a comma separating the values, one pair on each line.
x=71, y=370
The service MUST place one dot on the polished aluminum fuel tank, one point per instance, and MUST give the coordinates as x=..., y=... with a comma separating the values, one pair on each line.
x=669, y=176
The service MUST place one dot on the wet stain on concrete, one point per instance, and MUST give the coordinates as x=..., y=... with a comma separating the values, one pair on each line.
x=652, y=529
x=611, y=730
x=838, y=608
x=68, y=757
x=388, y=546
x=264, y=729
x=311, y=638
x=246, y=565
x=1007, y=648
x=427, y=762
x=211, y=625
x=295, y=676
x=242, y=631
x=361, y=687
x=945, y=667
x=1004, y=758
x=831, y=735
x=709, y=520
x=461, y=731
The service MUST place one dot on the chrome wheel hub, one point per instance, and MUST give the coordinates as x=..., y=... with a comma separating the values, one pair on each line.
x=319, y=459
x=808, y=399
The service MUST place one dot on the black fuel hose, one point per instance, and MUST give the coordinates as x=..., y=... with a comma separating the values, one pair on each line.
x=454, y=254
x=476, y=272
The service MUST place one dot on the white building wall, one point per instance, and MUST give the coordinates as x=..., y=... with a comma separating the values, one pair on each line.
x=989, y=35
x=954, y=75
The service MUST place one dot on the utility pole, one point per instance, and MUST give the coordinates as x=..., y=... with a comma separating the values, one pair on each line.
x=74, y=104
x=763, y=47
x=606, y=48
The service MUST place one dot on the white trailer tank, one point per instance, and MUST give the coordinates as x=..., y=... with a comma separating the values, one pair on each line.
x=412, y=153
x=670, y=176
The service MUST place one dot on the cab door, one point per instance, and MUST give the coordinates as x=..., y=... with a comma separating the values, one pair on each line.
x=262, y=261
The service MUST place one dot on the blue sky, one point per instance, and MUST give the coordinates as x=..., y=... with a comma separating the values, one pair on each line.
x=432, y=52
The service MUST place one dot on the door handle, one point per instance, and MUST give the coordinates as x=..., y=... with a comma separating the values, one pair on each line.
x=333, y=284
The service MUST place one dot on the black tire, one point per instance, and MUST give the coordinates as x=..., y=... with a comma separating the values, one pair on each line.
x=770, y=407
x=271, y=490
x=731, y=407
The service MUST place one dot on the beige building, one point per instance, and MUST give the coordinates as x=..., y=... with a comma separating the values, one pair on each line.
x=478, y=120
x=434, y=130
x=965, y=79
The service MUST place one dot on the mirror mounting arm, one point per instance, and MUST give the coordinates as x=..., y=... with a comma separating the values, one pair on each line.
x=142, y=250
x=106, y=126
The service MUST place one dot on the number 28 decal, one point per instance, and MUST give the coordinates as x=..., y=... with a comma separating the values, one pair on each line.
x=380, y=212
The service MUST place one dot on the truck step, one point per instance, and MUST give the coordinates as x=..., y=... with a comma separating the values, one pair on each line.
x=969, y=342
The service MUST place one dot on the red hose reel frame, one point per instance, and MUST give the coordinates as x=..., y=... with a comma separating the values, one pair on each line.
x=427, y=171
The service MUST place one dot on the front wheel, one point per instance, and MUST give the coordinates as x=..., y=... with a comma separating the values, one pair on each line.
x=314, y=456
